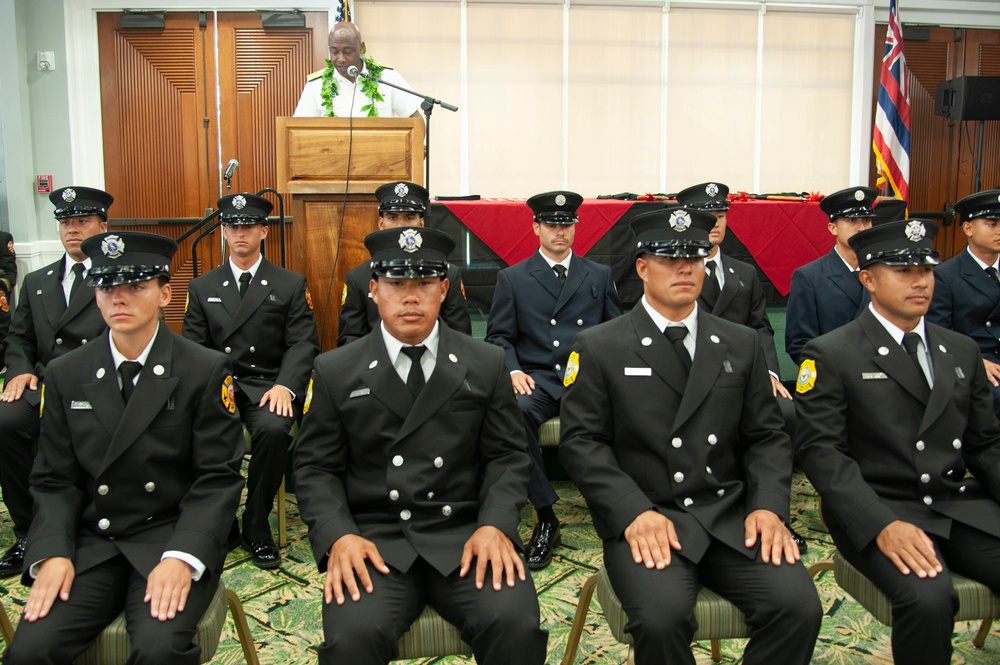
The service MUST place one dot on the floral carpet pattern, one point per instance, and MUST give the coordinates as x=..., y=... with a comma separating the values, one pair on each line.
x=283, y=606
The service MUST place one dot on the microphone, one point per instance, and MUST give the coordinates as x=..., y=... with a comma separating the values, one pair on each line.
x=230, y=169
x=352, y=71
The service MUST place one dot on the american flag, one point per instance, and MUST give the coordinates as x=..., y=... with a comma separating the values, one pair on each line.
x=892, y=115
x=343, y=12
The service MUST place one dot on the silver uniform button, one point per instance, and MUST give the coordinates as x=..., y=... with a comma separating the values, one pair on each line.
x=253, y=350
x=103, y=490
x=956, y=444
x=720, y=493
x=552, y=322
x=558, y=368
x=397, y=460
x=579, y=322
x=646, y=341
x=104, y=524
x=925, y=477
x=373, y=364
x=961, y=489
x=150, y=486
x=438, y=462
x=100, y=373
x=688, y=502
x=679, y=477
x=229, y=349
x=393, y=495
x=676, y=442
x=446, y=511
x=83, y=341
x=928, y=500
x=712, y=439
x=58, y=340
x=404, y=515
x=158, y=370
x=708, y=470
x=920, y=445
x=555, y=343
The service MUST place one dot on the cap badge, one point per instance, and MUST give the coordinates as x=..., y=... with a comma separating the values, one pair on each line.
x=712, y=189
x=69, y=195
x=113, y=247
x=560, y=200
x=680, y=221
x=859, y=195
x=401, y=189
x=915, y=231
x=410, y=240
x=239, y=202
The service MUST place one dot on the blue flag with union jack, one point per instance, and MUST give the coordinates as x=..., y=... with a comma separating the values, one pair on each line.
x=892, y=115
x=343, y=11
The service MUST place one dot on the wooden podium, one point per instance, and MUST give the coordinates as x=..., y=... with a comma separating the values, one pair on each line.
x=328, y=207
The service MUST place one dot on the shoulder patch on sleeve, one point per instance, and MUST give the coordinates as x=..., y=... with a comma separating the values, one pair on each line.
x=309, y=298
x=309, y=398
x=315, y=75
x=41, y=404
x=187, y=301
x=343, y=295
x=229, y=394
x=572, y=369
x=807, y=376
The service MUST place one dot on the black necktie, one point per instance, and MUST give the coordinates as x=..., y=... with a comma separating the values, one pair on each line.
x=676, y=335
x=994, y=276
x=415, y=379
x=245, y=282
x=710, y=289
x=129, y=370
x=911, y=342
x=78, y=269
x=560, y=273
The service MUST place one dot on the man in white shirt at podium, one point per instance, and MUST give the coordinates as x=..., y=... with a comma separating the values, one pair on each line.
x=348, y=95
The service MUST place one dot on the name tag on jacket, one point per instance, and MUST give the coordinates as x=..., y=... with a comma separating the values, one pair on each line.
x=360, y=393
x=213, y=299
x=638, y=371
x=80, y=404
x=868, y=376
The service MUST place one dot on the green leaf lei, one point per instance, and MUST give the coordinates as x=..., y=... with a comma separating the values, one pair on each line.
x=369, y=88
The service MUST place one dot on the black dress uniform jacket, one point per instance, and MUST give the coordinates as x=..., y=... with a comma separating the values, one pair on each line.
x=705, y=454
x=44, y=327
x=742, y=301
x=534, y=319
x=270, y=333
x=967, y=300
x=415, y=477
x=162, y=473
x=359, y=313
x=879, y=445
x=824, y=295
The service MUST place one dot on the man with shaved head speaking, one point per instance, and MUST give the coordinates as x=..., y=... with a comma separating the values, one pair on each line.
x=335, y=91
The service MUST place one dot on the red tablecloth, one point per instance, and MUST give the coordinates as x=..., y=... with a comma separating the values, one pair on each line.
x=781, y=235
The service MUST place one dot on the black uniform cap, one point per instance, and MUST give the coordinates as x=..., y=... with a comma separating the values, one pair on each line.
x=555, y=207
x=889, y=210
x=673, y=232
x=126, y=257
x=706, y=196
x=409, y=252
x=402, y=197
x=244, y=209
x=80, y=201
x=981, y=204
x=851, y=202
x=904, y=243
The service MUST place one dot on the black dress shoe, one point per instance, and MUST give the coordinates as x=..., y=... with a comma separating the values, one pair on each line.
x=544, y=540
x=12, y=561
x=264, y=554
x=799, y=541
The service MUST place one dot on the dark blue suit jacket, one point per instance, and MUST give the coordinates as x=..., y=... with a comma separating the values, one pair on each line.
x=534, y=320
x=965, y=301
x=824, y=296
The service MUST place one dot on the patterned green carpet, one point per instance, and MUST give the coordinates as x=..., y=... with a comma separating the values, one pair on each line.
x=283, y=607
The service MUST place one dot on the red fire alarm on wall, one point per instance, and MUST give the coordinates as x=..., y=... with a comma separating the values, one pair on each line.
x=43, y=184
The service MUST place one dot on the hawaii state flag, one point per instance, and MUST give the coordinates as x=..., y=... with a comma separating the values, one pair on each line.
x=891, y=141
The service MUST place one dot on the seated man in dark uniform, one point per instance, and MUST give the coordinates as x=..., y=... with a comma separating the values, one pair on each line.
x=261, y=316
x=410, y=471
x=538, y=306
x=967, y=288
x=671, y=431
x=399, y=204
x=137, y=476
x=902, y=444
x=54, y=315
x=825, y=294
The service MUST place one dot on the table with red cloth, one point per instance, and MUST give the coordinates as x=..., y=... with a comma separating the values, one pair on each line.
x=777, y=236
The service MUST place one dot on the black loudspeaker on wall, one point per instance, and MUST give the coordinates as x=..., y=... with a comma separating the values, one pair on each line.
x=969, y=98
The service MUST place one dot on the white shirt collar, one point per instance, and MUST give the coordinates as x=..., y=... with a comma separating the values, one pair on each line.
x=552, y=264
x=979, y=261
x=118, y=357
x=690, y=321
x=895, y=331
x=846, y=264
x=252, y=269
x=68, y=263
x=393, y=345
